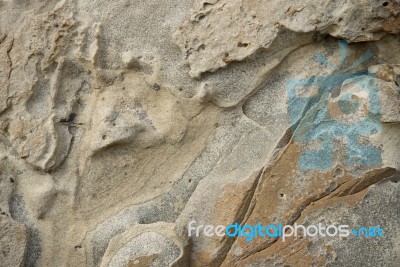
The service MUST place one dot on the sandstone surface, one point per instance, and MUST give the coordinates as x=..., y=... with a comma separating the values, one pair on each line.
x=122, y=121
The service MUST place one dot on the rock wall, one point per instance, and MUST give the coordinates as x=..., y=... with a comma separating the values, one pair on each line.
x=122, y=121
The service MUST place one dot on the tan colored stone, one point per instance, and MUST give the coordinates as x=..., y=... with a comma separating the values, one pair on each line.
x=13, y=241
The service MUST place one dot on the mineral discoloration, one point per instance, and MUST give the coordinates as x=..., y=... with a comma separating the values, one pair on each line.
x=122, y=121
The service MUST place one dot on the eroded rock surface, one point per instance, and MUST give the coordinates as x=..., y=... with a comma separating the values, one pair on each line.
x=13, y=240
x=123, y=121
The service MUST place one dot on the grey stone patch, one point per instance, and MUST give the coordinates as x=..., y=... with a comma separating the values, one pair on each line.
x=379, y=208
x=8, y=180
x=33, y=247
x=128, y=38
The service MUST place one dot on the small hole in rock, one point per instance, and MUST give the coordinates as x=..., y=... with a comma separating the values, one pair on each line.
x=72, y=117
x=156, y=87
x=190, y=180
x=226, y=54
x=385, y=4
x=11, y=180
x=281, y=194
x=338, y=172
x=201, y=47
x=242, y=45
x=104, y=137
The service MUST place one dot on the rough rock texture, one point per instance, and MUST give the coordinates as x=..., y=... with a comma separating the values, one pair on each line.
x=122, y=121
x=13, y=242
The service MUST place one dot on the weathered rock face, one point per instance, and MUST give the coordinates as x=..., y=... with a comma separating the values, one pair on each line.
x=223, y=31
x=123, y=121
x=13, y=242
